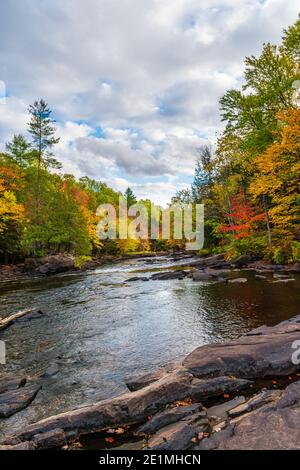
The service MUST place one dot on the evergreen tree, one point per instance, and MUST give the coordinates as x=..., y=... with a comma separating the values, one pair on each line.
x=131, y=199
x=202, y=177
x=19, y=150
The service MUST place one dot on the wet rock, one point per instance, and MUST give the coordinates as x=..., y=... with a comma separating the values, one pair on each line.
x=260, y=277
x=266, y=351
x=53, y=438
x=201, y=276
x=179, y=274
x=36, y=314
x=7, y=383
x=243, y=260
x=51, y=370
x=179, y=435
x=238, y=280
x=271, y=427
x=55, y=264
x=167, y=417
x=266, y=396
x=13, y=401
x=222, y=410
x=147, y=379
x=215, y=262
x=136, y=278
x=135, y=407
x=215, y=440
x=293, y=268
x=281, y=276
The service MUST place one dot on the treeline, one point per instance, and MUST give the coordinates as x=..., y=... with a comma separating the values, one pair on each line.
x=250, y=186
x=43, y=211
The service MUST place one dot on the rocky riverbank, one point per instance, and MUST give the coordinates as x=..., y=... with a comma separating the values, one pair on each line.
x=243, y=394
x=197, y=267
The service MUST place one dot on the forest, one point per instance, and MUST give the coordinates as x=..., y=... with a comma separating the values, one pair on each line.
x=248, y=181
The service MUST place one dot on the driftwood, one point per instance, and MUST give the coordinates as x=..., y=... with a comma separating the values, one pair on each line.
x=5, y=322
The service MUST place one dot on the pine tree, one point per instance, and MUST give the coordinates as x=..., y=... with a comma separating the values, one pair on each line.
x=19, y=150
x=202, y=177
x=131, y=199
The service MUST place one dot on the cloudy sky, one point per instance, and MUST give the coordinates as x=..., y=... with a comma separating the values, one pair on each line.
x=133, y=84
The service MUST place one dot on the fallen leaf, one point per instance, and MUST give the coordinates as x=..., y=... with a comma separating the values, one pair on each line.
x=119, y=431
x=226, y=395
x=194, y=439
x=110, y=440
x=274, y=382
x=110, y=431
x=185, y=402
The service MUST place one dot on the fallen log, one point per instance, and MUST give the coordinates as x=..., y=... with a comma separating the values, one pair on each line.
x=5, y=322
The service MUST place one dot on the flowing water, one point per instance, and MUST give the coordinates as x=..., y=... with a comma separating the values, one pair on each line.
x=101, y=330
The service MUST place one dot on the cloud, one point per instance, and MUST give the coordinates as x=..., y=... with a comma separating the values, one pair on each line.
x=134, y=84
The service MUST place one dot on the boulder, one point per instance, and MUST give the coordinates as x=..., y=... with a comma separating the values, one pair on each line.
x=266, y=351
x=55, y=264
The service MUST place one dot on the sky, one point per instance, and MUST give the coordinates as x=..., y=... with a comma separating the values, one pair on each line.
x=134, y=85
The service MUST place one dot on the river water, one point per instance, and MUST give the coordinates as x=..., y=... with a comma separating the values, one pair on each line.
x=101, y=330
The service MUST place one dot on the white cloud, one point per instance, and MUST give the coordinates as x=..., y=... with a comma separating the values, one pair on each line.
x=148, y=74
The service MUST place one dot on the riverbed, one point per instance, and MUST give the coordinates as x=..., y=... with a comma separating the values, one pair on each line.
x=102, y=330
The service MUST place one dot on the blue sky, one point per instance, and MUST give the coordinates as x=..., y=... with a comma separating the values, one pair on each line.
x=134, y=84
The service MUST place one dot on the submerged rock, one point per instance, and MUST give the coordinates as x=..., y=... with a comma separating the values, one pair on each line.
x=136, y=278
x=17, y=399
x=201, y=276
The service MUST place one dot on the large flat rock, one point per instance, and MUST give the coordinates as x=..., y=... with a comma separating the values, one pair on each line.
x=266, y=351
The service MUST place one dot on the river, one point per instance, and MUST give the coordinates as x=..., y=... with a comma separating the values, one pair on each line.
x=101, y=330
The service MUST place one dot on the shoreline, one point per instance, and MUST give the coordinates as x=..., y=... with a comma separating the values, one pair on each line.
x=65, y=263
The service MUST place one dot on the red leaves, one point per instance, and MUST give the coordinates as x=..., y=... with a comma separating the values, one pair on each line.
x=242, y=217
